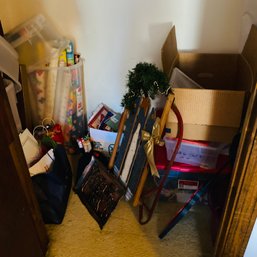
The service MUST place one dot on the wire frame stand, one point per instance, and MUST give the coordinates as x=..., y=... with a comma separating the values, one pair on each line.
x=146, y=209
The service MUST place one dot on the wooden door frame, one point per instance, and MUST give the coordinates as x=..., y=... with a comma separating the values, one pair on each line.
x=241, y=205
x=14, y=149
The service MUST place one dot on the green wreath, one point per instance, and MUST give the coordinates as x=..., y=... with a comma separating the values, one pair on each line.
x=145, y=80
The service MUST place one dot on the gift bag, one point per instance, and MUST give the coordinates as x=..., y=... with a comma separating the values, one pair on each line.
x=52, y=188
x=99, y=190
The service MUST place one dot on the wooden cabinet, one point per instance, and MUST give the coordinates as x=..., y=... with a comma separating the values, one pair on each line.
x=22, y=231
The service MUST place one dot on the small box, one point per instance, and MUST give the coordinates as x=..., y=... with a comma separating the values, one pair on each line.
x=102, y=137
x=102, y=140
x=215, y=112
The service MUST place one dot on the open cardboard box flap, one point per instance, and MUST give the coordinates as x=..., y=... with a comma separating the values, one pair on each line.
x=227, y=80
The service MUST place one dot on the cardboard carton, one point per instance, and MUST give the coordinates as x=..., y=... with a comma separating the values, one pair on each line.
x=103, y=139
x=215, y=112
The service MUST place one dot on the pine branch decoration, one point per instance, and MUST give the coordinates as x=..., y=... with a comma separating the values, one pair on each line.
x=145, y=80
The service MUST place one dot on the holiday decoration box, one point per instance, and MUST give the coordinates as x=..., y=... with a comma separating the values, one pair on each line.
x=103, y=140
x=213, y=112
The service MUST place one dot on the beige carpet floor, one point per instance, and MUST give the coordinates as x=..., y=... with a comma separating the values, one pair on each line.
x=122, y=236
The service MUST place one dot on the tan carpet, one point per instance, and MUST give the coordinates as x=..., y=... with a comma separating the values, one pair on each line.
x=122, y=236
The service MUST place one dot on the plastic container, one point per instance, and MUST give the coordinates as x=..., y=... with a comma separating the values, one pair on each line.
x=36, y=40
x=194, y=152
x=183, y=179
x=180, y=80
x=9, y=62
x=11, y=94
x=57, y=93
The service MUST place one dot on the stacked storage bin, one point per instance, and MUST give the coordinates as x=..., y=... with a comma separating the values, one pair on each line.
x=56, y=89
x=196, y=162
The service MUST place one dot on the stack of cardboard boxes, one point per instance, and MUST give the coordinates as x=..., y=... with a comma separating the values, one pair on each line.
x=213, y=109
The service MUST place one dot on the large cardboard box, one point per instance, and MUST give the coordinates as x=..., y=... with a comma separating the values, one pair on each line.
x=214, y=113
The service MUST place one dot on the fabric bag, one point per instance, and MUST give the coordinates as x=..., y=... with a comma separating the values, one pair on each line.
x=52, y=188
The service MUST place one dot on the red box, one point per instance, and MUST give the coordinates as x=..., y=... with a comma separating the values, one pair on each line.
x=184, y=179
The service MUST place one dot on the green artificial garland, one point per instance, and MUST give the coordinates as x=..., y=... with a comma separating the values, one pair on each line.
x=145, y=80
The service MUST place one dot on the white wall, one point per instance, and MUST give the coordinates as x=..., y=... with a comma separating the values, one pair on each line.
x=248, y=18
x=251, y=249
x=114, y=35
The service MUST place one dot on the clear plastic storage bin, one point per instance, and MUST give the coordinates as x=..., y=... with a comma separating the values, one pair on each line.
x=180, y=80
x=57, y=93
x=36, y=41
x=194, y=152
